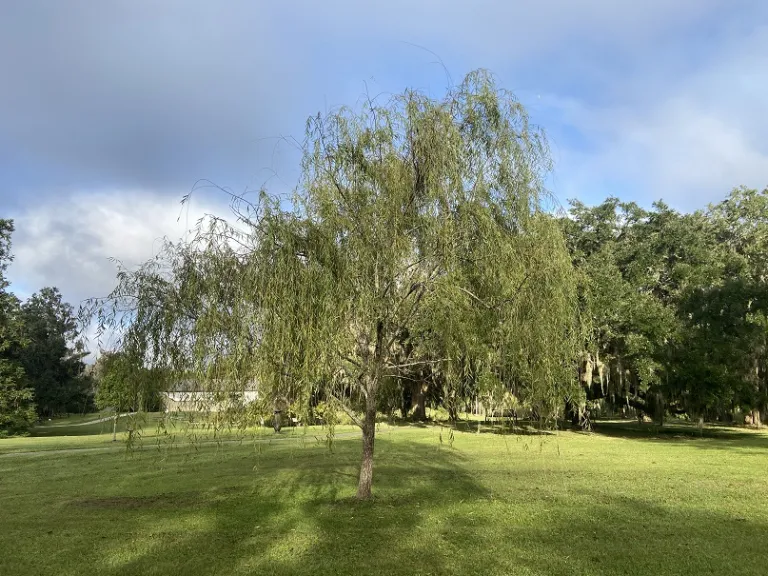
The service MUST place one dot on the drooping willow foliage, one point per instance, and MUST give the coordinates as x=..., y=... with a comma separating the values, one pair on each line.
x=419, y=241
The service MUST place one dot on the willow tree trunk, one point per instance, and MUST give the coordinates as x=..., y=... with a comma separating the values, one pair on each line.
x=114, y=426
x=572, y=413
x=757, y=419
x=418, y=401
x=369, y=437
x=658, y=409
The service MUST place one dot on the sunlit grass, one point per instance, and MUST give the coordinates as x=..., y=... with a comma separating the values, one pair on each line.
x=178, y=431
x=623, y=501
x=71, y=419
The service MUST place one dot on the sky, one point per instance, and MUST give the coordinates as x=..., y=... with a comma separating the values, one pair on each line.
x=110, y=111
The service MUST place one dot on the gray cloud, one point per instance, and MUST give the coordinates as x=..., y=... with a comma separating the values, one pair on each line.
x=144, y=93
x=141, y=93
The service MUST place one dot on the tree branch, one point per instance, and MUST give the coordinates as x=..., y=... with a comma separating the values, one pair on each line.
x=474, y=296
x=417, y=363
x=520, y=287
x=349, y=412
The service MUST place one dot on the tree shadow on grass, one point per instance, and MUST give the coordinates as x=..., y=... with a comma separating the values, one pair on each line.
x=710, y=437
x=621, y=535
x=286, y=513
x=499, y=427
x=717, y=437
x=302, y=519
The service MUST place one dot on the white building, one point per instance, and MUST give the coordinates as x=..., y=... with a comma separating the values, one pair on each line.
x=189, y=396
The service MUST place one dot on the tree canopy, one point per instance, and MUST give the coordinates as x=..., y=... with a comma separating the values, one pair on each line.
x=419, y=236
x=678, y=305
x=17, y=410
x=41, y=355
x=53, y=357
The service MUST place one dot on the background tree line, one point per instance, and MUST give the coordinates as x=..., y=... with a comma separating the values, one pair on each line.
x=677, y=306
x=42, y=368
x=42, y=372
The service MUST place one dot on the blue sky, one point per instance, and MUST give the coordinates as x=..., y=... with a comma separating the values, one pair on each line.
x=111, y=110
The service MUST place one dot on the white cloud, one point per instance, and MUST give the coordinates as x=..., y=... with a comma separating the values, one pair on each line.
x=67, y=242
x=688, y=141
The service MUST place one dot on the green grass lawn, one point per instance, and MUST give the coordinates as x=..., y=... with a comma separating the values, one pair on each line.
x=70, y=419
x=619, y=501
x=89, y=435
x=87, y=425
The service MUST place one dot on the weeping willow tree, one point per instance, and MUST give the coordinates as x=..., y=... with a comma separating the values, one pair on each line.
x=419, y=235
